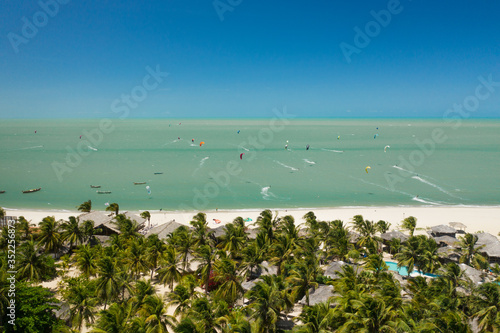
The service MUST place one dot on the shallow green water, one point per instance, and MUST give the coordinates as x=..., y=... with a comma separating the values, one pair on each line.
x=460, y=169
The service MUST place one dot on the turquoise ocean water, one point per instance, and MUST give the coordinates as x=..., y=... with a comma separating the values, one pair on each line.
x=459, y=168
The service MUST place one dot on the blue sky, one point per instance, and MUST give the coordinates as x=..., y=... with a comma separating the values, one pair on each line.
x=87, y=54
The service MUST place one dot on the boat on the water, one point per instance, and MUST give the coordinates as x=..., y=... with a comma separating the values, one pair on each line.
x=2, y=191
x=32, y=190
x=95, y=186
x=139, y=183
x=103, y=192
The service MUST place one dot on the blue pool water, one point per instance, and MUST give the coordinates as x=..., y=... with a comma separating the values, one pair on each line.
x=403, y=270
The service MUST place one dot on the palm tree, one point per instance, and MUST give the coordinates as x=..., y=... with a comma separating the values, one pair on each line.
x=338, y=244
x=113, y=320
x=253, y=256
x=267, y=224
x=86, y=260
x=486, y=307
x=206, y=255
x=108, y=283
x=370, y=315
x=141, y=290
x=155, y=249
x=451, y=277
x=169, y=271
x=410, y=254
x=303, y=277
x=312, y=224
x=233, y=239
x=24, y=227
x=135, y=258
x=383, y=226
x=201, y=233
x=183, y=294
x=85, y=207
x=30, y=265
x=315, y=319
x=146, y=215
x=155, y=312
x=72, y=232
x=236, y=321
x=409, y=223
x=50, y=237
x=207, y=315
x=226, y=275
x=88, y=231
x=183, y=241
x=129, y=228
x=281, y=250
x=266, y=304
x=470, y=252
x=79, y=296
x=113, y=207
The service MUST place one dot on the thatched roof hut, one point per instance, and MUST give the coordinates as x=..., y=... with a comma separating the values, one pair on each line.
x=163, y=230
x=473, y=274
x=334, y=268
x=321, y=294
x=484, y=238
x=96, y=216
x=448, y=253
x=493, y=252
x=219, y=231
x=443, y=230
x=137, y=218
x=388, y=236
x=446, y=241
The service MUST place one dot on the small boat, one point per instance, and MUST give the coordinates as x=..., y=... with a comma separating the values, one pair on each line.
x=2, y=192
x=95, y=186
x=139, y=183
x=103, y=192
x=158, y=173
x=32, y=190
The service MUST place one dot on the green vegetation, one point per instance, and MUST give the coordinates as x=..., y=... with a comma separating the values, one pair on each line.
x=114, y=287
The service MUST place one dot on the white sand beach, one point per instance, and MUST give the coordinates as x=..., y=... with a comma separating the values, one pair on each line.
x=476, y=219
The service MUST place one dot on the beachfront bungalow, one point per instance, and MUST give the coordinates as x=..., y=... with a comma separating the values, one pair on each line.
x=133, y=217
x=492, y=252
x=389, y=236
x=334, y=268
x=318, y=295
x=102, y=221
x=491, y=247
x=163, y=230
x=446, y=241
x=448, y=254
x=219, y=231
x=443, y=230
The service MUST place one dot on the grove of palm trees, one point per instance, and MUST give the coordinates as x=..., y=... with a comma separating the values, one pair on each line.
x=258, y=278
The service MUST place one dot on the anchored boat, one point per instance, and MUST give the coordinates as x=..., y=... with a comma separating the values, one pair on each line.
x=32, y=190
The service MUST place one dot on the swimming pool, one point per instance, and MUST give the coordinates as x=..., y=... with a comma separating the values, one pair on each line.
x=403, y=270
